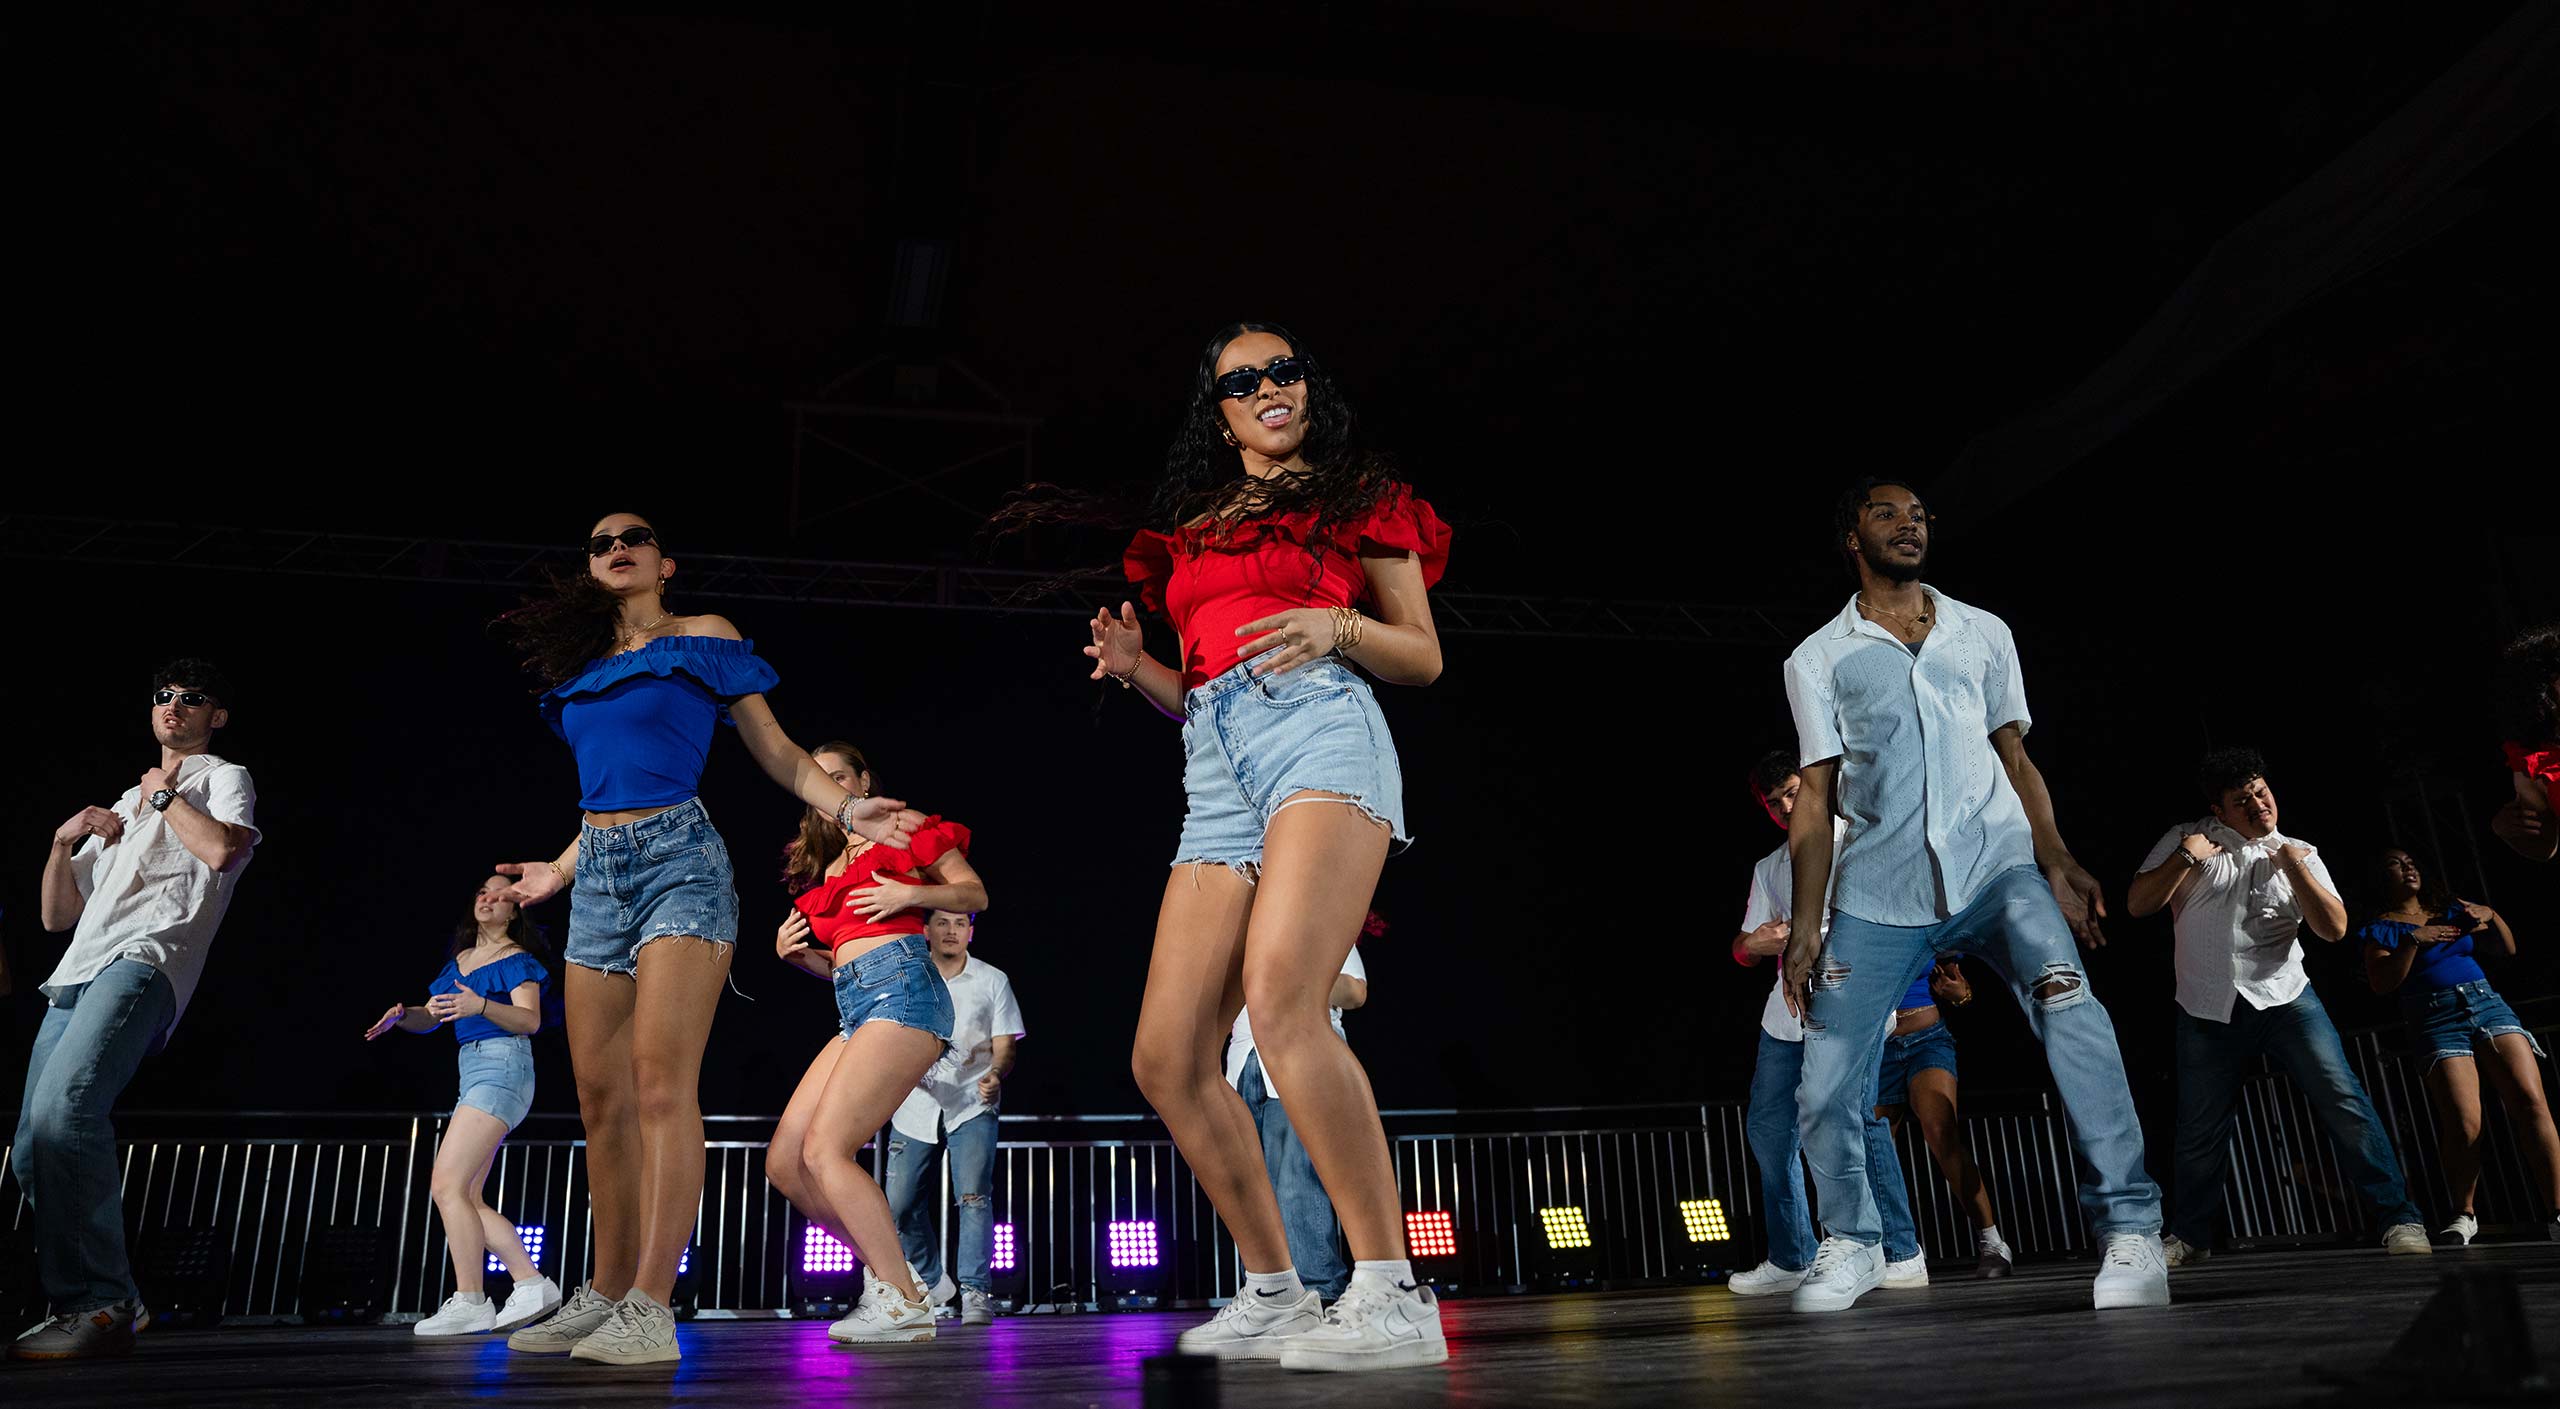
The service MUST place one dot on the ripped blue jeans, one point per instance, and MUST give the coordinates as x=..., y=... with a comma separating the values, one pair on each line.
x=2015, y=926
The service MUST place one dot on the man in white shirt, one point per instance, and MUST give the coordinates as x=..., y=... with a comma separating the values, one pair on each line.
x=1911, y=722
x=143, y=886
x=1771, y=1121
x=954, y=1109
x=2242, y=893
x=1306, y=1210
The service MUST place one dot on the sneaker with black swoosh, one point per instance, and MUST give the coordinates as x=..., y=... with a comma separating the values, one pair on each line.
x=1374, y=1327
x=1253, y=1326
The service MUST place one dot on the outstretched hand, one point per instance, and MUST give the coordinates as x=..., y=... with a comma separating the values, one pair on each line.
x=884, y=820
x=1119, y=643
x=387, y=1021
x=536, y=881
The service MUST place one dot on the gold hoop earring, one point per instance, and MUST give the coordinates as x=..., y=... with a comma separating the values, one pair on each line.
x=1229, y=436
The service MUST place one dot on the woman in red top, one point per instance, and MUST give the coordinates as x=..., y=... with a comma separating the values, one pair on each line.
x=1272, y=531
x=857, y=919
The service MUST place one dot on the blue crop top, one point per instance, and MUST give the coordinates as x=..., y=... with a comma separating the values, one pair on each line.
x=1917, y=996
x=494, y=981
x=2446, y=965
x=640, y=722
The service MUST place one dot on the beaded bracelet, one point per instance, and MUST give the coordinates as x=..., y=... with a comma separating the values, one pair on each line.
x=1128, y=679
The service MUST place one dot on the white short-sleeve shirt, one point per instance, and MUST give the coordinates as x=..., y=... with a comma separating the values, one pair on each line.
x=1932, y=817
x=982, y=1009
x=1773, y=888
x=1240, y=1041
x=149, y=898
x=2238, y=921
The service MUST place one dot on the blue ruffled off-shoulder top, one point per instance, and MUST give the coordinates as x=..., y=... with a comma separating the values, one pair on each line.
x=495, y=981
x=640, y=722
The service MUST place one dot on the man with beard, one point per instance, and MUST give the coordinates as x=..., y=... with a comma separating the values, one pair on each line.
x=2242, y=893
x=145, y=882
x=1911, y=721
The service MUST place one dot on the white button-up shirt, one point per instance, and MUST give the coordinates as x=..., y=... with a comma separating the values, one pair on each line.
x=1773, y=888
x=2237, y=921
x=982, y=1008
x=147, y=897
x=1240, y=1041
x=1931, y=814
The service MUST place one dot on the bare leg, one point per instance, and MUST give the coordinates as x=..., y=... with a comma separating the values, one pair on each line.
x=1195, y=988
x=679, y=990
x=1320, y=867
x=1933, y=1104
x=881, y=1063
x=2517, y=1074
x=2454, y=1085
x=786, y=1160
x=498, y=1233
x=462, y=1166
x=599, y=1025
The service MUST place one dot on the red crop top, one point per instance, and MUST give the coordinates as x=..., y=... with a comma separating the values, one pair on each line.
x=835, y=924
x=1210, y=579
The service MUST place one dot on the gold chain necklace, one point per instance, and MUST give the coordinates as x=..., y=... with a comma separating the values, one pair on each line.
x=1921, y=620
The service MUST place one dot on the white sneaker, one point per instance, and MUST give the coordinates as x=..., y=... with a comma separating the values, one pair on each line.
x=883, y=1316
x=1375, y=1326
x=559, y=1334
x=528, y=1303
x=2457, y=1234
x=1993, y=1256
x=939, y=1295
x=460, y=1316
x=1767, y=1279
x=1912, y=1271
x=1842, y=1272
x=1252, y=1326
x=2407, y=1239
x=975, y=1309
x=639, y=1332
x=2134, y=1273
x=2178, y=1252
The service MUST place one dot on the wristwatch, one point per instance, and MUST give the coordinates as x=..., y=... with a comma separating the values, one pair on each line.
x=160, y=800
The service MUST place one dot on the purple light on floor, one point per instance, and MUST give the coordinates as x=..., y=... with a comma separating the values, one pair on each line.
x=531, y=1237
x=820, y=1252
x=1003, y=1259
x=1133, y=1244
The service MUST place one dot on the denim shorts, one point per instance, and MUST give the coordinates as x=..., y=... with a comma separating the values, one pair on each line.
x=1909, y=1055
x=2445, y=1022
x=497, y=1077
x=894, y=982
x=666, y=874
x=1249, y=742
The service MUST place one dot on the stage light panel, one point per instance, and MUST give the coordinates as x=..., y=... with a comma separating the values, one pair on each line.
x=1704, y=1218
x=1565, y=1227
x=1133, y=1244
x=1003, y=1259
x=1430, y=1233
x=821, y=1253
x=531, y=1236
x=684, y=1260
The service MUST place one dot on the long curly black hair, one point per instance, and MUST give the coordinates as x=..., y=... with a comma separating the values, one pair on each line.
x=1203, y=475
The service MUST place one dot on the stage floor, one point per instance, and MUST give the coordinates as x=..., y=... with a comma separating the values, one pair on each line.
x=2240, y=1333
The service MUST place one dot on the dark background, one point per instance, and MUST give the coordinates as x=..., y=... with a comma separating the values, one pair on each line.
x=1632, y=292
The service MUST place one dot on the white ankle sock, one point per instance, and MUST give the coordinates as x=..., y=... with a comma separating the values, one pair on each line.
x=1393, y=1276
x=1989, y=1237
x=1283, y=1283
x=473, y=1298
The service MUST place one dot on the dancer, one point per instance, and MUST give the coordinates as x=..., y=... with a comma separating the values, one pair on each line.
x=143, y=886
x=490, y=989
x=635, y=689
x=2426, y=949
x=1917, y=1082
x=1771, y=1119
x=2242, y=893
x=2529, y=702
x=1270, y=523
x=1911, y=722
x=1306, y=1211
x=857, y=920
x=952, y=1113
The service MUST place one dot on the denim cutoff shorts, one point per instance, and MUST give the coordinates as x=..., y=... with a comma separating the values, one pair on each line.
x=1909, y=1055
x=1249, y=742
x=497, y=1077
x=895, y=982
x=2445, y=1022
x=666, y=874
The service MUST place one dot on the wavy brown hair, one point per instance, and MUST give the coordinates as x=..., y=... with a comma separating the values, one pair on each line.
x=521, y=931
x=566, y=626
x=821, y=841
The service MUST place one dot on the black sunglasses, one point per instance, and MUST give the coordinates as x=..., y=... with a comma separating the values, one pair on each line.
x=639, y=535
x=1245, y=381
x=192, y=699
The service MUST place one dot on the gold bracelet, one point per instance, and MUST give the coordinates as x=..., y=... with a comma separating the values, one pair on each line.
x=1347, y=622
x=563, y=875
x=1126, y=680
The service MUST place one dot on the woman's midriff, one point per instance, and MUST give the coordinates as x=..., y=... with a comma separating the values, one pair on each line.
x=855, y=948
x=1907, y=1021
x=625, y=817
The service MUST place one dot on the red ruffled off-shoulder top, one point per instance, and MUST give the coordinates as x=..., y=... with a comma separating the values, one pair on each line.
x=834, y=923
x=1211, y=578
